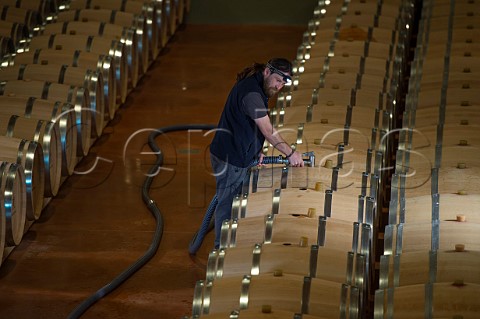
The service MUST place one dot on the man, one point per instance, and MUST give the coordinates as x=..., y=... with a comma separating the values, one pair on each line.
x=243, y=127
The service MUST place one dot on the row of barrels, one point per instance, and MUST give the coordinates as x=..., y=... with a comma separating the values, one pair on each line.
x=63, y=84
x=299, y=240
x=430, y=265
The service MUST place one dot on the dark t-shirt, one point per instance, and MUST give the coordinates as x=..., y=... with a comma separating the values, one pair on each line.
x=252, y=105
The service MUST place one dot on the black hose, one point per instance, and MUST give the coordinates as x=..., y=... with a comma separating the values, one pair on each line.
x=151, y=205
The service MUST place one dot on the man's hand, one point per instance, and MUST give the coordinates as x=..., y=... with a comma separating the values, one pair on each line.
x=296, y=160
x=260, y=159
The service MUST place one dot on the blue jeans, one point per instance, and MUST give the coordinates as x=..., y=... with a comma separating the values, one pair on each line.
x=229, y=180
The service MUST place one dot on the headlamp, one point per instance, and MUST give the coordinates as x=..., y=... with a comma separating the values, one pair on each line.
x=286, y=78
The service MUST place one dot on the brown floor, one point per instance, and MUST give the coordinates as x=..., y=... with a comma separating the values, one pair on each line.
x=98, y=225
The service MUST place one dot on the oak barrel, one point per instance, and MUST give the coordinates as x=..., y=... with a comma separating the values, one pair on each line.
x=47, y=134
x=29, y=154
x=58, y=112
x=261, y=313
x=78, y=96
x=102, y=63
x=89, y=43
x=43, y=7
x=30, y=18
x=77, y=76
x=124, y=19
x=126, y=36
x=322, y=297
x=144, y=8
x=314, y=261
x=13, y=201
x=332, y=233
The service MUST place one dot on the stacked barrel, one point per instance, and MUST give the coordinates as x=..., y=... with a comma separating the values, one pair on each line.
x=64, y=81
x=431, y=262
x=300, y=240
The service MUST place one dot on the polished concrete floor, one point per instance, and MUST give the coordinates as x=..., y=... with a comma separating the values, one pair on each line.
x=98, y=225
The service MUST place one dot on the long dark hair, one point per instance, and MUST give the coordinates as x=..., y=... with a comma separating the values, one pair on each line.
x=251, y=70
x=279, y=63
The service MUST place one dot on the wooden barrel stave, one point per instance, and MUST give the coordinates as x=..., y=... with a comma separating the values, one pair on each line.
x=29, y=154
x=78, y=96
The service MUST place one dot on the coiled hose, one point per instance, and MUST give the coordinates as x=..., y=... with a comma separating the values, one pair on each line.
x=207, y=219
x=151, y=205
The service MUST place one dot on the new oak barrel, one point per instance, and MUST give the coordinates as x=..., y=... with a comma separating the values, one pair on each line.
x=322, y=297
x=264, y=312
x=340, y=64
x=29, y=18
x=422, y=266
x=270, y=178
x=89, y=43
x=340, y=81
x=29, y=154
x=438, y=300
x=151, y=10
x=102, y=63
x=329, y=232
x=418, y=237
x=12, y=202
x=112, y=32
x=58, y=112
x=77, y=76
x=13, y=30
x=47, y=134
x=298, y=202
x=356, y=116
x=43, y=7
x=124, y=19
x=418, y=209
x=78, y=96
x=291, y=258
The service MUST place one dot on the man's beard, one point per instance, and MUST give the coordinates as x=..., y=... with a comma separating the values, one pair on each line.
x=270, y=92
